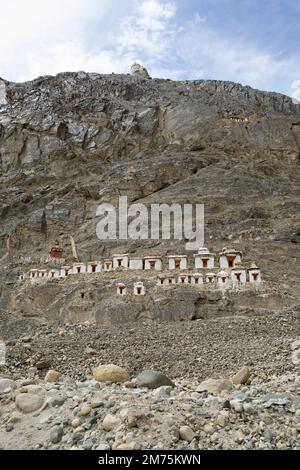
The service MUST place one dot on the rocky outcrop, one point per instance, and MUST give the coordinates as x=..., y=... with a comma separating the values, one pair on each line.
x=139, y=70
x=70, y=142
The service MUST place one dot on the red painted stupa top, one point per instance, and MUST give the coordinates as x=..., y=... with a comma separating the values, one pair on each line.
x=56, y=252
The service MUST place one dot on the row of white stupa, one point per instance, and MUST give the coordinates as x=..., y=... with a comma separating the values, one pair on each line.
x=229, y=263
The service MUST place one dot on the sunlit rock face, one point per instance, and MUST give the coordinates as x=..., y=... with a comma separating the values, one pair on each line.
x=137, y=69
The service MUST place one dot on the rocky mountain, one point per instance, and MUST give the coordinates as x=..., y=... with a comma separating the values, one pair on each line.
x=70, y=142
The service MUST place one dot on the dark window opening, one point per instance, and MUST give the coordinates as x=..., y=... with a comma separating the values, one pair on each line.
x=139, y=291
x=255, y=276
x=177, y=263
x=82, y=295
x=238, y=276
x=205, y=263
x=152, y=264
x=119, y=263
x=230, y=260
x=78, y=270
x=93, y=268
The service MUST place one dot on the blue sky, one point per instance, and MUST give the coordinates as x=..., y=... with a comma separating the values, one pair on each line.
x=253, y=42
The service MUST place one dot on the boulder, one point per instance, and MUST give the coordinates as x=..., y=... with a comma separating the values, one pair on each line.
x=186, y=433
x=85, y=410
x=56, y=434
x=139, y=70
x=28, y=403
x=153, y=379
x=52, y=376
x=110, y=373
x=215, y=386
x=242, y=376
x=110, y=422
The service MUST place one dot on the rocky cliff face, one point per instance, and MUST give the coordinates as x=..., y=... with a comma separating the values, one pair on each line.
x=72, y=141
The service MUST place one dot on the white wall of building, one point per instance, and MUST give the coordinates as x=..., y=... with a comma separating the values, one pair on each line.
x=199, y=264
x=64, y=270
x=196, y=280
x=254, y=273
x=81, y=267
x=139, y=289
x=120, y=261
x=182, y=280
x=224, y=264
x=55, y=275
x=136, y=263
x=157, y=264
x=223, y=280
x=121, y=289
x=98, y=267
x=107, y=265
x=182, y=260
x=234, y=277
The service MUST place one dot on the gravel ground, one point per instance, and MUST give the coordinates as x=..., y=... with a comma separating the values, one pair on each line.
x=194, y=349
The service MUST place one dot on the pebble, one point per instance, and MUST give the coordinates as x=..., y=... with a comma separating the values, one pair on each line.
x=52, y=376
x=153, y=379
x=85, y=410
x=186, y=433
x=56, y=434
x=103, y=446
x=110, y=422
x=110, y=373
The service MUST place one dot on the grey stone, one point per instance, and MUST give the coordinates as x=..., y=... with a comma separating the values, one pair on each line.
x=153, y=379
x=56, y=434
x=103, y=446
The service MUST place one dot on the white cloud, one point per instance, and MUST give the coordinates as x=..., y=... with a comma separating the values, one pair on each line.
x=33, y=30
x=296, y=90
x=44, y=38
x=149, y=30
x=152, y=14
x=72, y=56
